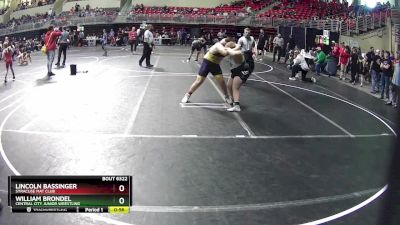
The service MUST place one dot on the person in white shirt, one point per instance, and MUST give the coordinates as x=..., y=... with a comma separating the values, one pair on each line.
x=220, y=35
x=247, y=45
x=278, y=45
x=300, y=64
x=148, y=45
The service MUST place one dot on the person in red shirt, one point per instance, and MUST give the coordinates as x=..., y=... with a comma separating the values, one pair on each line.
x=344, y=59
x=342, y=48
x=8, y=58
x=50, y=41
x=133, y=38
x=336, y=51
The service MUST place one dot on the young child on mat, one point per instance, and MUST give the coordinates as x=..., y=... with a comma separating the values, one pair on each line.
x=24, y=59
x=8, y=57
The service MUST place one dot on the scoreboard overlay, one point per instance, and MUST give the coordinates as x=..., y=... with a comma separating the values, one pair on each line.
x=79, y=194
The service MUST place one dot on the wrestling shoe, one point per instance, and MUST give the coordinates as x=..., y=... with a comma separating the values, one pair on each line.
x=313, y=79
x=185, y=98
x=235, y=108
x=228, y=101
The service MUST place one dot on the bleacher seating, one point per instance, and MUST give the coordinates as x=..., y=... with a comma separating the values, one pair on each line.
x=187, y=10
x=306, y=10
x=257, y=5
x=231, y=9
x=26, y=4
x=4, y=10
x=314, y=9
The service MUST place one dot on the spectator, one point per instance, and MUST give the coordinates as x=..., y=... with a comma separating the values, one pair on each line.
x=375, y=71
x=354, y=65
x=370, y=56
x=50, y=42
x=133, y=39
x=278, y=44
x=81, y=37
x=386, y=75
x=289, y=47
x=320, y=61
x=364, y=69
x=183, y=37
x=262, y=38
x=344, y=60
x=220, y=35
x=395, y=93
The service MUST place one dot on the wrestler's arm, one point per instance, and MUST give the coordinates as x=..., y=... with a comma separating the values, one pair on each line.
x=233, y=52
x=238, y=45
x=221, y=50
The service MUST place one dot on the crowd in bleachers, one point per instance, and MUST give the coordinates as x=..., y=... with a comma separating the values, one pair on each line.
x=26, y=4
x=76, y=11
x=26, y=19
x=362, y=10
x=88, y=11
x=235, y=8
x=4, y=10
x=306, y=9
x=318, y=9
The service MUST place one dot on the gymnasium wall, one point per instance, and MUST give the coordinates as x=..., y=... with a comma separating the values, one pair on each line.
x=183, y=3
x=94, y=3
x=380, y=39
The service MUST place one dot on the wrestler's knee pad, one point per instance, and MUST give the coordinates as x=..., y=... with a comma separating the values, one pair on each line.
x=200, y=78
x=219, y=77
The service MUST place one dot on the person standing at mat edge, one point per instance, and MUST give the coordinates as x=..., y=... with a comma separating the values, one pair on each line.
x=7, y=55
x=63, y=45
x=148, y=44
x=278, y=45
x=395, y=92
x=50, y=42
x=104, y=40
x=133, y=39
x=247, y=45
